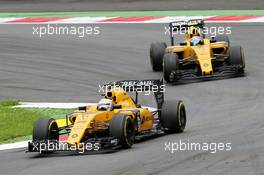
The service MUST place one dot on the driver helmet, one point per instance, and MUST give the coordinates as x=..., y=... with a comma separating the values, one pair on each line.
x=105, y=104
x=194, y=31
x=196, y=40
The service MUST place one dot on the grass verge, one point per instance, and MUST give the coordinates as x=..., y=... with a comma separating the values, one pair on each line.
x=17, y=123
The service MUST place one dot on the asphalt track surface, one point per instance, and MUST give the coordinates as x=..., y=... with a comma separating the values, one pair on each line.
x=117, y=5
x=63, y=68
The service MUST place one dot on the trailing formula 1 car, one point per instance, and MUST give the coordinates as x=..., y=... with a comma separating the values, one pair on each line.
x=197, y=56
x=116, y=121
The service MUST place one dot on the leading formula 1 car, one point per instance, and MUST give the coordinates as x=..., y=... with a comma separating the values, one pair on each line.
x=116, y=121
x=197, y=56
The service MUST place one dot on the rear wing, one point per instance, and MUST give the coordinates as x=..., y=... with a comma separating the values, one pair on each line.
x=132, y=85
x=184, y=26
x=153, y=85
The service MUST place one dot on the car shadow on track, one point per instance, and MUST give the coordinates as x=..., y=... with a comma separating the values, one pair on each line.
x=104, y=151
x=63, y=154
x=200, y=80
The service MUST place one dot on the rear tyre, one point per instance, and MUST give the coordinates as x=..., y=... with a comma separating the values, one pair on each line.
x=156, y=55
x=45, y=129
x=173, y=116
x=222, y=38
x=123, y=128
x=236, y=57
x=170, y=64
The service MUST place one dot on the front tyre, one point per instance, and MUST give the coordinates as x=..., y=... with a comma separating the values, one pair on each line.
x=156, y=55
x=123, y=128
x=173, y=116
x=45, y=129
x=170, y=65
x=236, y=57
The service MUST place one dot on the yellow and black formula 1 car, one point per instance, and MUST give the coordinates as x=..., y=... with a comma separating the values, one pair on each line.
x=116, y=121
x=196, y=57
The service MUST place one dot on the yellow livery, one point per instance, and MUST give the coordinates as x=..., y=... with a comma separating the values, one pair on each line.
x=197, y=56
x=116, y=120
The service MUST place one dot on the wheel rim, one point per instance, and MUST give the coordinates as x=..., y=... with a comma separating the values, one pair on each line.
x=182, y=116
x=53, y=131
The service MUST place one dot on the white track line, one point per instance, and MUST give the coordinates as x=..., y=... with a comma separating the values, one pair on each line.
x=16, y=145
x=61, y=105
x=81, y=20
x=52, y=105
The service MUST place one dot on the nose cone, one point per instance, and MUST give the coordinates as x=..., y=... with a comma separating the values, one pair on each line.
x=204, y=58
x=81, y=124
x=206, y=66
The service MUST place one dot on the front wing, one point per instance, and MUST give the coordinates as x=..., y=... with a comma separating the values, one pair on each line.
x=223, y=72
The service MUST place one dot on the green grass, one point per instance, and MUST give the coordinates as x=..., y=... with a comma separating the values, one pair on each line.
x=9, y=102
x=17, y=123
x=138, y=13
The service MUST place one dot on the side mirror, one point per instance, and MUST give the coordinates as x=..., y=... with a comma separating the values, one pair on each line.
x=212, y=40
x=117, y=106
x=82, y=108
x=183, y=43
x=138, y=105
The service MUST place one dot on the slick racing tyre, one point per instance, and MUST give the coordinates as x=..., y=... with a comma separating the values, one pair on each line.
x=170, y=65
x=222, y=38
x=236, y=57
x=123, y=128
x=173, y=116
x=45, y=129
x=156, y=55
